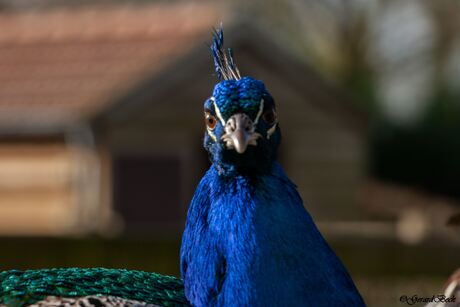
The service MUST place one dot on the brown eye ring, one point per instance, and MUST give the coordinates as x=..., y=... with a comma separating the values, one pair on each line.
x=210, y=120
x=270, y=117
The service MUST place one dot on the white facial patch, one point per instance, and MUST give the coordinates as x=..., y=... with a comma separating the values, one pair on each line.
x=271, y=131
x=272, y=128
x=219, y=115
x=211, y=134
x=261, y=109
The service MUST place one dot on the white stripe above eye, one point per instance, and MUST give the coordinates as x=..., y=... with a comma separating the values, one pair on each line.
x=261, y=109
x=219, y=115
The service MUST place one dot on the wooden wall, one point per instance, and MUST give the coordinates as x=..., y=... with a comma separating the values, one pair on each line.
x=36, y=192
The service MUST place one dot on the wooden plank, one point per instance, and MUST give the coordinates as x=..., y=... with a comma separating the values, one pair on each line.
x=36, y=196
x=33, y=214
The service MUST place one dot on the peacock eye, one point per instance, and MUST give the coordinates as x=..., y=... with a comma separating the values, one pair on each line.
x=210, y=120
x=269, y=117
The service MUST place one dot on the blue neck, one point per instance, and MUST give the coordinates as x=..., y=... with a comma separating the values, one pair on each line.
x=249, y=242
x=224, y=242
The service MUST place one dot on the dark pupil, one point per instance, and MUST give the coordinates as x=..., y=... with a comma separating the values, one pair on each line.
x=269, y=117
x=210, y=120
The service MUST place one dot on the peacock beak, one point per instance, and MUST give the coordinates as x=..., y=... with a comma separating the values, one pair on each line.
x=240, y=133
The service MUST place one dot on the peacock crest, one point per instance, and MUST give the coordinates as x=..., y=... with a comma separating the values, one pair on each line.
x=224, y=62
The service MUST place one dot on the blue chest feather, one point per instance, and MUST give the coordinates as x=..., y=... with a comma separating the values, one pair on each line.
x=249, y=242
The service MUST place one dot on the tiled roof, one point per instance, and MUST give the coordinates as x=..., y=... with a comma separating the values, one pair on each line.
x=60, y=65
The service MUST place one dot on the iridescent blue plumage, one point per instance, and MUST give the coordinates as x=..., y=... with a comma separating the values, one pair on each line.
x=248, y=239
x=232, y=96
x=250, y=242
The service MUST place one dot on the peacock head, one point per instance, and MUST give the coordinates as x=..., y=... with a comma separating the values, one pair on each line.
x=242, y=132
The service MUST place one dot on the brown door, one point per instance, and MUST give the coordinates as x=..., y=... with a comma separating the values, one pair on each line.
x=147, y=192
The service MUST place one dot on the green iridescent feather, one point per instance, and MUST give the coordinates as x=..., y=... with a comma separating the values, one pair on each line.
x=20, y=288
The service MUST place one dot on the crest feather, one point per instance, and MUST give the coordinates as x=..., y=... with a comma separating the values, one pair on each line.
x=224, y=63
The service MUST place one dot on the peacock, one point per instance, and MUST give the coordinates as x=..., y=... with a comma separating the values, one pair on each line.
x=248, y=240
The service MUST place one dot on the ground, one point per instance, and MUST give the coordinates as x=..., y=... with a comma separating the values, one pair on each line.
x=383, y=270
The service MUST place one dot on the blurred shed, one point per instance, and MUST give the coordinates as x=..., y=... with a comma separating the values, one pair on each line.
x=100, y=118
x=60, y=67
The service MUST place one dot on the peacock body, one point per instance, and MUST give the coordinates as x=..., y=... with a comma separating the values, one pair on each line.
x=248, y=239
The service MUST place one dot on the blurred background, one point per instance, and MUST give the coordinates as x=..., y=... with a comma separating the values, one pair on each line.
x=101, y=128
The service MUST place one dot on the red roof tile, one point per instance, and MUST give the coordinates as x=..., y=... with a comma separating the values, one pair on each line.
x=60, y=65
